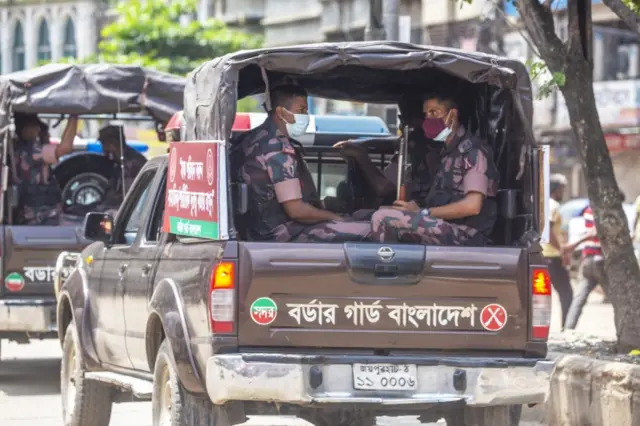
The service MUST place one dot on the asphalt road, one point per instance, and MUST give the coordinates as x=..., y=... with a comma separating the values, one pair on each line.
x=30, y=377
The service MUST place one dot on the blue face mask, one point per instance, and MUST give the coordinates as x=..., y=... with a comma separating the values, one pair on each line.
x=298, y=128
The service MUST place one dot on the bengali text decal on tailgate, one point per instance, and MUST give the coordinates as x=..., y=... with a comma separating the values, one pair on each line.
x=384, y=314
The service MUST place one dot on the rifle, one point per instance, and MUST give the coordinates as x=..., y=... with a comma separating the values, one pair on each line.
x=403, y=167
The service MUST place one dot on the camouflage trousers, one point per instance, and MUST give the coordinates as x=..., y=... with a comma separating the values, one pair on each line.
x=390, y=225
x=40, y=215
x=335, y=232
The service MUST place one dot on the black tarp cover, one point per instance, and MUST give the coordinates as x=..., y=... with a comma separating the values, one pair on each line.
x=93, y=89
x=378, y=72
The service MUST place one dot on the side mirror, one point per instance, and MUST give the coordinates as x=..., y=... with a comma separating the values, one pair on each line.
x=98, y=227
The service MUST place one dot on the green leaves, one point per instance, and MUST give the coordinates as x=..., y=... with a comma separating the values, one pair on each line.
x=166, y=36
x=546, y=81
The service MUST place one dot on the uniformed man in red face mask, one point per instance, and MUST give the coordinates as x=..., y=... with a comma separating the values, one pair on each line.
x=460, y=208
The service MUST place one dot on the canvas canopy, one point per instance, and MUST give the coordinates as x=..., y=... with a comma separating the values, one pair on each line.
x=92, y=89
x=376, y=72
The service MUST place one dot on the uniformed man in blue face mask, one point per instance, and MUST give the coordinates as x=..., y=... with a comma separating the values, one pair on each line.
x=284, y=204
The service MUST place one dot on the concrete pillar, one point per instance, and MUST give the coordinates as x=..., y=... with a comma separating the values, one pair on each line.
x=56, y=30
x=5, y=41
x=30, y=29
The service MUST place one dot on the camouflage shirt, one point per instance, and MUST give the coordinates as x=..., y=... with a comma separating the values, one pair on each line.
x=467, y=166
x=40, y=198
x=275, y=171
x=133, y=163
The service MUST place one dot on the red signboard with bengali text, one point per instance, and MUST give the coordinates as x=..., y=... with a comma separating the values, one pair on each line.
x=191, y=203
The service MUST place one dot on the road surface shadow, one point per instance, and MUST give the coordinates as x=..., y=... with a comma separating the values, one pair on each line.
x=30, y=376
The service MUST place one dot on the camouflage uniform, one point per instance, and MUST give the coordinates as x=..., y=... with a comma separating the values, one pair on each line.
x=466, y=166
x=275, y=171
x=133, y=163
x=40, y=198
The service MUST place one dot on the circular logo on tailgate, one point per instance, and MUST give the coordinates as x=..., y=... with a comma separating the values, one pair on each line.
x=493, y=317
x=210, y=167
x=386, y=254
x=263, y=311
x=14, y=282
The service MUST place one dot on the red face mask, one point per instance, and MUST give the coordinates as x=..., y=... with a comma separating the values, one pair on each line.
x=436, y=129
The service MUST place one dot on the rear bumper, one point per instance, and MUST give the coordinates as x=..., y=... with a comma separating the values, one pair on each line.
x=28, y=315
x=289, y=379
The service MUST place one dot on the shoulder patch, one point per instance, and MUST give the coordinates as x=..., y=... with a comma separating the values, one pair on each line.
x=465, y=146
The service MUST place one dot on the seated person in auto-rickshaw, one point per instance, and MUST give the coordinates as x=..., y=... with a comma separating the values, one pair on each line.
x=461, y=206
x=39, y=199
x=113, y=140
x=284, y=202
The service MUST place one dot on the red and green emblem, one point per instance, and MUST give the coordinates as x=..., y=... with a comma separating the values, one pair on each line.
x=14, y=282
x=264, y=311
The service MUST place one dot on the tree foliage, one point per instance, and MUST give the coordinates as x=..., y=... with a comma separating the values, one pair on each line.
x=155, y=34
x=566, y=57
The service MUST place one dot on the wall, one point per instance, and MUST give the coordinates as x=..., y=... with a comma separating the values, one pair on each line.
x=83, y=14
x=289, y=22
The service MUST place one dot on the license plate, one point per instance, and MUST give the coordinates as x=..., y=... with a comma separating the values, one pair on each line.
x=385, y=377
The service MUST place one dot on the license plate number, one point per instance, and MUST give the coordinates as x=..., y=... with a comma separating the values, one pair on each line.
x=385, y=377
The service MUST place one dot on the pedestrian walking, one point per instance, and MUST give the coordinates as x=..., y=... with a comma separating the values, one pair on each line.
x=591, y=272
x=553, y=250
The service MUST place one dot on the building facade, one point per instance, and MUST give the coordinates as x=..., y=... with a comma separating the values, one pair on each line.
x=33, y=32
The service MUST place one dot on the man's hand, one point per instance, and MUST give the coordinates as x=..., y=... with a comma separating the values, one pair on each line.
x=406, y=206
x=350, y=149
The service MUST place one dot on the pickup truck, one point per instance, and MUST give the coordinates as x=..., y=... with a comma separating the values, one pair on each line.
x=174, y=303
x=237, y=328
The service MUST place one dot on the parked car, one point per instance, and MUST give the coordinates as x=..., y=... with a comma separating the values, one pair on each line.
x=179, y=306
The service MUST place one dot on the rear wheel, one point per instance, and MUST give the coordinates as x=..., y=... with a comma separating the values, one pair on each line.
x=505, y=415
x=84, y=402
x=172, y=405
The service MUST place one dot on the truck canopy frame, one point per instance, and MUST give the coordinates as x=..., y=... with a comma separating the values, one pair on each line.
x=375, y=72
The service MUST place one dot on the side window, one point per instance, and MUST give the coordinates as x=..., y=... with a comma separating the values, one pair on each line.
x=155, y=226
x=135, y=218
x=332, y=176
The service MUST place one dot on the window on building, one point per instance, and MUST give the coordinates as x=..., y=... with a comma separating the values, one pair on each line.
x=69, y=49
x=19, y=61
x=44, y=44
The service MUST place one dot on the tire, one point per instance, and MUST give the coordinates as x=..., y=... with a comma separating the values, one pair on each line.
x=84, y=402
x=173, y=405
x=501, y=415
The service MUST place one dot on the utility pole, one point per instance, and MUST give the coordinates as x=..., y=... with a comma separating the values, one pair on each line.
x=383, y=25
x=375, y=26
x=391, y=16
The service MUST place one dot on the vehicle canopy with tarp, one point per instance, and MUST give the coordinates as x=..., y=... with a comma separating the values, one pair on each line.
x=92, y=89
x=496, y=94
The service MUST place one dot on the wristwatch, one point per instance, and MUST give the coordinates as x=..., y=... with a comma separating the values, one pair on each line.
x=425, y=212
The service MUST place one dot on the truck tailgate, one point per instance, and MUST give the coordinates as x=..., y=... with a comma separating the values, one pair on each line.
x=30, y=253
x=361, y=295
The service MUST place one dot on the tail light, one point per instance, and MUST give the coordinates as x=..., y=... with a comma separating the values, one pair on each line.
x=222, y=307
x=540, y=303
